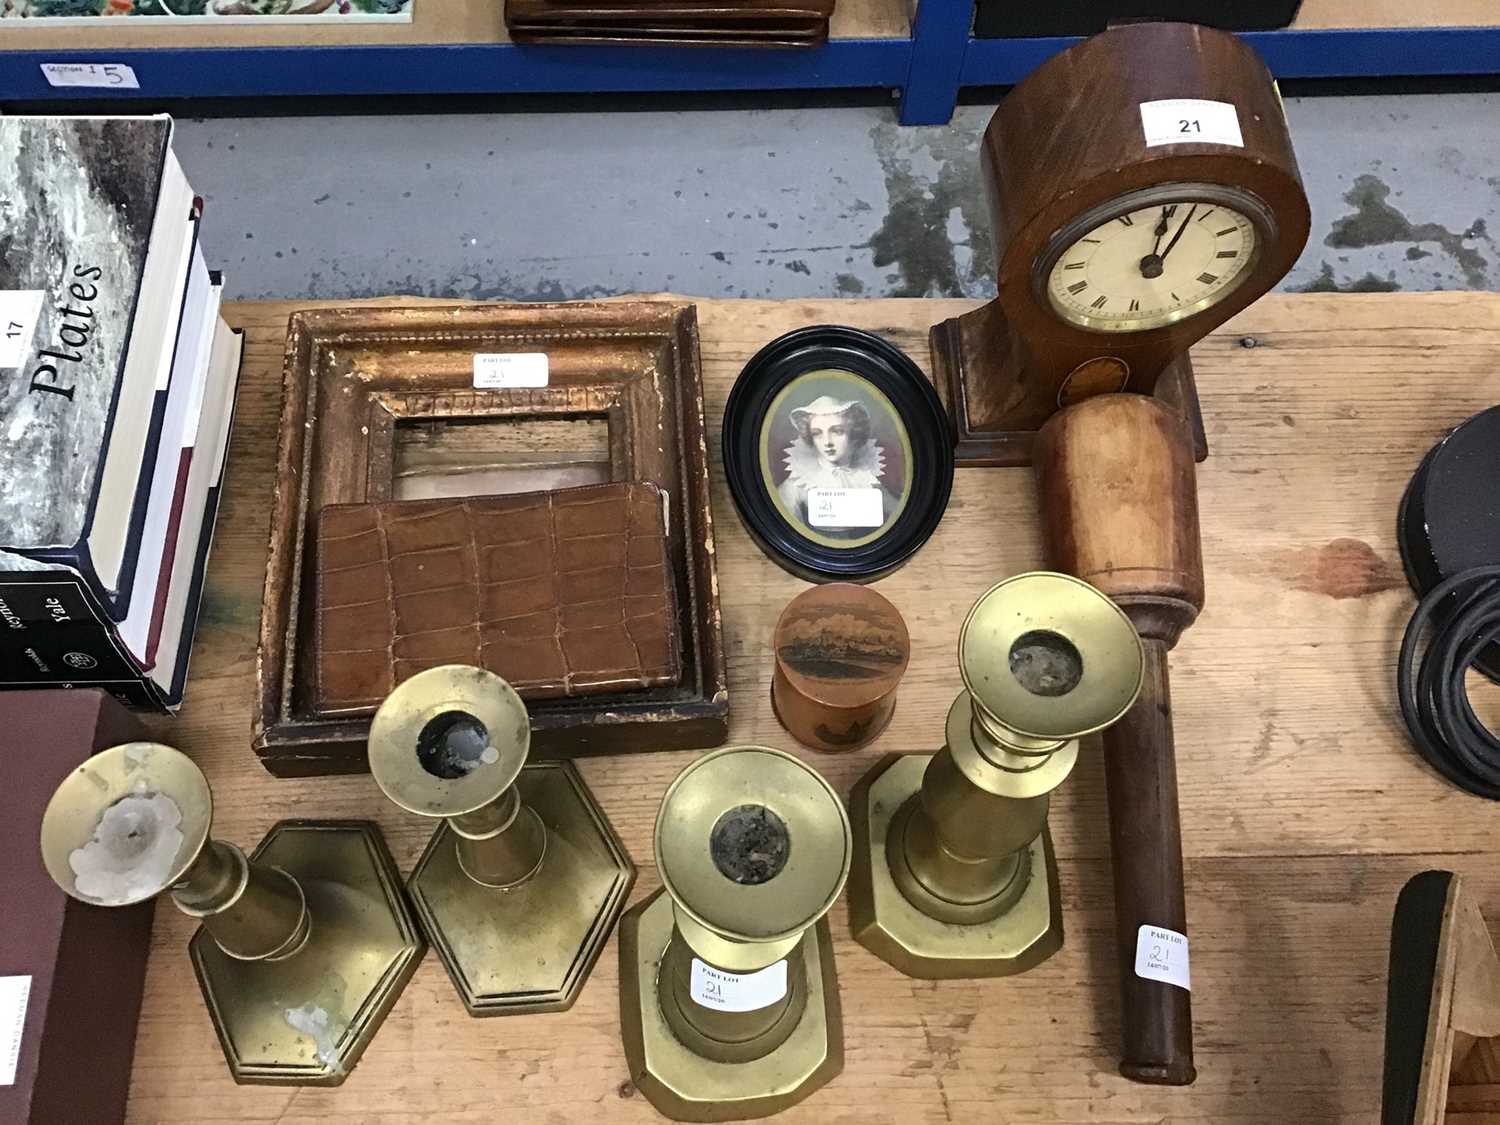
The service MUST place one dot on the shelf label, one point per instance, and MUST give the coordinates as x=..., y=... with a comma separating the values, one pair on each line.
x=1162, y=954
x=737, y=992
x=845, y=507
x=1181, y=121
x=14, y=992
x=104, y=76
x=19, y=312
x=502, y=370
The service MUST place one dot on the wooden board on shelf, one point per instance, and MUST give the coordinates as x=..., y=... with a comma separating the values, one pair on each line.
x=1304, y=810
x=1396, y=13
x=482, y=21
x=433, y=22
x=871, y=19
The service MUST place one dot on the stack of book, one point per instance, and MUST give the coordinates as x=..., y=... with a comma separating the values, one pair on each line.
x=117, y=389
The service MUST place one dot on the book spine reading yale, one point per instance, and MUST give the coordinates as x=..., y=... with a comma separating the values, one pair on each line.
x=53, y=633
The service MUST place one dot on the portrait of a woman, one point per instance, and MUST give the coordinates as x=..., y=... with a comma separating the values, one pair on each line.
x=834, y=448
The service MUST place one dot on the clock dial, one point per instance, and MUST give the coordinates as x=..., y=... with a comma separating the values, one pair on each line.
x=1152, y=266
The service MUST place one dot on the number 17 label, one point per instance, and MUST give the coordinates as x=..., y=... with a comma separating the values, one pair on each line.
x=19, y=311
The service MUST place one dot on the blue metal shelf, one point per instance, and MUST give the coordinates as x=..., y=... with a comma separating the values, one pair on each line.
x=1315, y=53
x=503, y=68
x=928, y=69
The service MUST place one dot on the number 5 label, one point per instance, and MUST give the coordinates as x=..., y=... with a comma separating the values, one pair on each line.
x=103, y=76
x=1190, y=121
x=1162, y=954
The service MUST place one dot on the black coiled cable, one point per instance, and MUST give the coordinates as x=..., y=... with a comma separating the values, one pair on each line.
x=1434, y=699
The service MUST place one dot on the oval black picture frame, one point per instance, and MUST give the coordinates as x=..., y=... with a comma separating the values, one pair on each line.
x=908, y=391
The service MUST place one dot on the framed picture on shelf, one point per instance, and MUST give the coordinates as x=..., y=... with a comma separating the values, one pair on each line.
x=50, y=13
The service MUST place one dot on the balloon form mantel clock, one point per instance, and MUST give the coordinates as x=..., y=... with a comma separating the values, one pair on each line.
x=1143, y=190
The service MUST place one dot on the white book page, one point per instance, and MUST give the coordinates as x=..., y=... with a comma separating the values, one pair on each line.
x=148, y=365
x=203, y=474
x=178, y=432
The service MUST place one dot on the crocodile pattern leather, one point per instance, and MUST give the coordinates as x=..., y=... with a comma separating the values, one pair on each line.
x=562, y=593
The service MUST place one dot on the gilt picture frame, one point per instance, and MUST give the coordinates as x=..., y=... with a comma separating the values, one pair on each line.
x=368, y=390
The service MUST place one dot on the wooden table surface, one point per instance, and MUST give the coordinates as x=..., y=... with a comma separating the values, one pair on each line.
x=1303, y=808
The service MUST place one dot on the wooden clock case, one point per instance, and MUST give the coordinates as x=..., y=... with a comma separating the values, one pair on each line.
x=1069, y=139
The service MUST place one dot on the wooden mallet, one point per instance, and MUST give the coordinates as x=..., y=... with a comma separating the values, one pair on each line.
x=1120, y=510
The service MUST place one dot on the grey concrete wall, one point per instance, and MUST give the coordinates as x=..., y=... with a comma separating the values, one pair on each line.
x=765, y=202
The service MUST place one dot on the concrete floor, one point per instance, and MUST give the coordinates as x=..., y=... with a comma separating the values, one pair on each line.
x=826, y=201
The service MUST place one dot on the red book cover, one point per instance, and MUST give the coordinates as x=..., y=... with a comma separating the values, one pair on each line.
x=75, y=972
x=169, y=553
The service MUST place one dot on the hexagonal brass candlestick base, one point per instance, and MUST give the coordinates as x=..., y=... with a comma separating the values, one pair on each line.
x=524, y=878
x=919, y=945
x=528, y=948
x=304, y=946
x=686, y=1086
x=306, y=1020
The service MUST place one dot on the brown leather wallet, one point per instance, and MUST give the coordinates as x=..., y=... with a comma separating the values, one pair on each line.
x=562, y=593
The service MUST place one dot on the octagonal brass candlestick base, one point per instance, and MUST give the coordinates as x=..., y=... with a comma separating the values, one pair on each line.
x=304, y=947
x=729, y=1003
x=953, y=870
x=524, y=879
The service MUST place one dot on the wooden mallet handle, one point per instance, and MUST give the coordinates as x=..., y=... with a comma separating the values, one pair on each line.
x=1120, y=510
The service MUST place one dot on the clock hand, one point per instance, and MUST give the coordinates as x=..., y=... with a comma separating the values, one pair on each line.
x=1180, y=229
x=1161, y=227
x=1151, y=263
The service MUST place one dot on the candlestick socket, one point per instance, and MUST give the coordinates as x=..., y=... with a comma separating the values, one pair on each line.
x=304, y=946
x=953, y=873
x=524, y=878
x=729, y=1000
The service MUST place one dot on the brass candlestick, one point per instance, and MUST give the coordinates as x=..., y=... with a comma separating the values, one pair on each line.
x=953, y=868
x=524, y=878
x=303, y=947
x=729, y=1003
